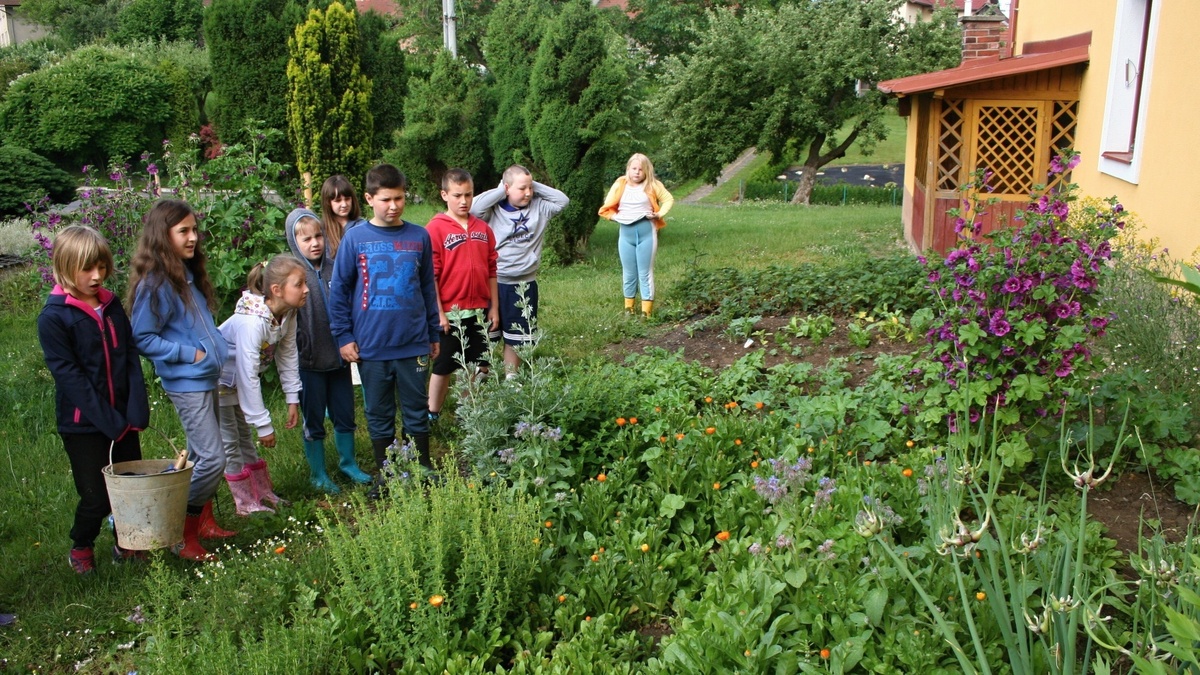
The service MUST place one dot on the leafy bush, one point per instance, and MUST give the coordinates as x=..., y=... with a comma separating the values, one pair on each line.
x=434, y=572
x=894, y=282
x=26, y=57
x=26, y=176
x=235, y=197
x=159, y=20
x=108, y=103
x=825, y=195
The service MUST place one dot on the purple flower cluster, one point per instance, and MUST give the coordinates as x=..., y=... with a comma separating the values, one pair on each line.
x=537, y=430
x=790, y=478
x=1023, y=300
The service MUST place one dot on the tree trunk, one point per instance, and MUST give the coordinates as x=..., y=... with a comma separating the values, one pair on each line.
x=808, y=178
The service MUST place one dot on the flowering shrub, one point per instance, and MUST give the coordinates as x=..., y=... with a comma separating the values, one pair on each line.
x=1017, y=309
x=235, y=197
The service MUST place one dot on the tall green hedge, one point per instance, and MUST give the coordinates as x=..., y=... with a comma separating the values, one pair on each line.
x=580, y=117
x=383, y=63
x=247, y=45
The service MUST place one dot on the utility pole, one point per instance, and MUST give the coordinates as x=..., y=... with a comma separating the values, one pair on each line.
x=449, y=28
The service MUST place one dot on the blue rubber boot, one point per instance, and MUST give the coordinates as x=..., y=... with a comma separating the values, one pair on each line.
x=314, y=452
x=346, y=461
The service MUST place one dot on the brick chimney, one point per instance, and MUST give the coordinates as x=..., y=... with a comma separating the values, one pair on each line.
x=984, y=34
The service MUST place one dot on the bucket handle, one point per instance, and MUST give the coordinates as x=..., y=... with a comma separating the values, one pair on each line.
x=180, y=455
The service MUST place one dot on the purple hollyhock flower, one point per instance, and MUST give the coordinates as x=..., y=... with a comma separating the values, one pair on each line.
x=999, y=327
x=935, y=277
x=1008, y=350
x=1063, y=370
x=1011, y=285
x=972, y=264
x=959, y=225
x=1099, y=322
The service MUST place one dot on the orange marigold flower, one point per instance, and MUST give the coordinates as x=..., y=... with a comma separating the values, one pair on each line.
x=662, y=439
x=825, y=653
x=981, y=596
x=754, y=464
x=645, y=547
x=595, y=557
x=436, y=600
x=723, y=535
x=716, y=486
x=737, y=441
x=562, y=598
x=758, y=405
x=602, y=477
x=708, y=399
x=549, y=523
x=710, y=430
x=412, y=605
x=909, y=444
x=679, y=437
x=281, y=549
x=907, y=473
x=633, y=420
x=620, y=421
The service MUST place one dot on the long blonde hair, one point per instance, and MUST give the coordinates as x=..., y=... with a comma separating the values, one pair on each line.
x=647, y=167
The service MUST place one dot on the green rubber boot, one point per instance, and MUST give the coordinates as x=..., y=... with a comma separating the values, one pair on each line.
x=314, y=452
x=346, y=461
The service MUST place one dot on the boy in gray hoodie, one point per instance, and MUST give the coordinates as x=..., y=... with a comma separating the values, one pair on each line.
x=519, y=211
x=324, y=376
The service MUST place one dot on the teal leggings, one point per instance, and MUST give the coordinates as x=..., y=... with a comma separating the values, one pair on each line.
x=637, y=246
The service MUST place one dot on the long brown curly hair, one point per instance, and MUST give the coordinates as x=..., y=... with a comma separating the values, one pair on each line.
x=155, y=262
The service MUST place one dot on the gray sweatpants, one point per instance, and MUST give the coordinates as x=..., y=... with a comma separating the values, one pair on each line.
x=237, y=438
x=202, y=427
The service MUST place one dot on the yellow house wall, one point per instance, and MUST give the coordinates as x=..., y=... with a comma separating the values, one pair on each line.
x=911, y=164
x=1167, y=195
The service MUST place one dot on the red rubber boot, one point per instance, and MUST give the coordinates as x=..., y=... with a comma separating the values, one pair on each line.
x=209, y=529
x=191, y=548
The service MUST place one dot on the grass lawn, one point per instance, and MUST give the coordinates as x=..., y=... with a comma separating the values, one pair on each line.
x=888, y=151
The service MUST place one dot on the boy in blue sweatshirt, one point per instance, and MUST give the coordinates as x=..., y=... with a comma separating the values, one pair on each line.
x=383, y=313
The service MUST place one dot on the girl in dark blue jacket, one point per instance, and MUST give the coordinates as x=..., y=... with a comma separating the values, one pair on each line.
x=100, y=396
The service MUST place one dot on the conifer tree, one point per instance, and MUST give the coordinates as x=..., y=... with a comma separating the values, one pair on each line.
x=445, y=125
x=329, y=114
x=580, y=119
x=514, y=32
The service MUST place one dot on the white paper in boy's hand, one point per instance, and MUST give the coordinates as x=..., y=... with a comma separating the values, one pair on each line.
x=354, y=378
x=749, y=343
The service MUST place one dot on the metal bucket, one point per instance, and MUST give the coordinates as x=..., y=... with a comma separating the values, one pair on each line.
x=148, y=506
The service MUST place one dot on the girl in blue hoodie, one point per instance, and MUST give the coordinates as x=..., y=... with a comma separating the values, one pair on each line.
x=173, y=301
x=100, y=395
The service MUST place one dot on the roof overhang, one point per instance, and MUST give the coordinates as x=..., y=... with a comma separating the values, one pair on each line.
x=1034, y=56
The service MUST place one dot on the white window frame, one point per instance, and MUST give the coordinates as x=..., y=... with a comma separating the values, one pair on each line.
x=1121, y=140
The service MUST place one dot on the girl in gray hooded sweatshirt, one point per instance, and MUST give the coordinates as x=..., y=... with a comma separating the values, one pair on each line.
x=325, y=377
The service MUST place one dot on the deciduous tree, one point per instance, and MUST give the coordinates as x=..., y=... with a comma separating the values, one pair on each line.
x=799, y=77
x=510, y=47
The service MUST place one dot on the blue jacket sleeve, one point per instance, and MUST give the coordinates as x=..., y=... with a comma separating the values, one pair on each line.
x=73, y=383
x=148, y=326
x=137, y=410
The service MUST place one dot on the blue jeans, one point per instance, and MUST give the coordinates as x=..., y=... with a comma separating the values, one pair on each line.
x=385, y=381
x=330, y=390
x=637, y=245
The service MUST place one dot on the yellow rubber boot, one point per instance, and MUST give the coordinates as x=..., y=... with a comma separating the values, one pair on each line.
x=629, y=305
x=647, y=308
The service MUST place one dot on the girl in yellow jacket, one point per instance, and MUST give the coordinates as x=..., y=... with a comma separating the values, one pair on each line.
x=638, y=202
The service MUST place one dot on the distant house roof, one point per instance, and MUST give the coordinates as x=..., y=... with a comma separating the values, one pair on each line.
x=381, y=7
x=1034, y=56
x=622, y=5
x=958, y=4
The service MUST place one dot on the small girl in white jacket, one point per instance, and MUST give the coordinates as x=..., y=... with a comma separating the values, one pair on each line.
x=262, y=328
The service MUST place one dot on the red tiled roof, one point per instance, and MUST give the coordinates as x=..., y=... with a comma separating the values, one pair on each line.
x=958, y=4
x=622, y=5
x=1035, y=56
x=381, y=7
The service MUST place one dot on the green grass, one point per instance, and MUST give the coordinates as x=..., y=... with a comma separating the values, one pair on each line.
x=888, y=151
x=581, y=305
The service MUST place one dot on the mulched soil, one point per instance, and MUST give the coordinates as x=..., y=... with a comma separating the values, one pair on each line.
x=1122, y=505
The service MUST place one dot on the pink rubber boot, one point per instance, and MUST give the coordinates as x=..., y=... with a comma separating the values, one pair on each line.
x=242, y=487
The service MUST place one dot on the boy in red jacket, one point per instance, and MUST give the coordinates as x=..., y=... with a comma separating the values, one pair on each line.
x=464, y=265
